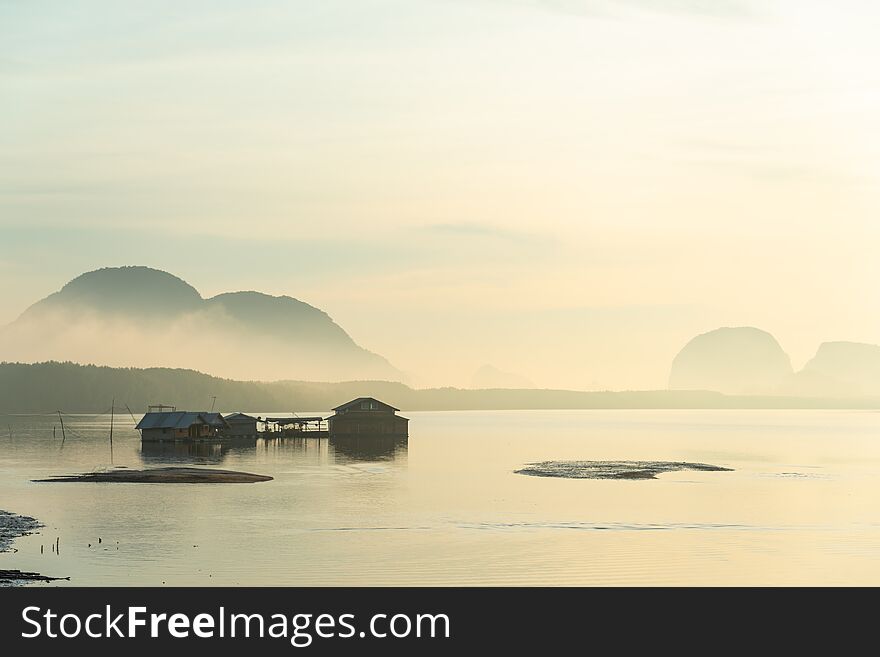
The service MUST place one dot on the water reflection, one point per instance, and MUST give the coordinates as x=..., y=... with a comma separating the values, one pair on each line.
x=361, y=448
x=293, y=449
x=370, y=448
x=197, y=453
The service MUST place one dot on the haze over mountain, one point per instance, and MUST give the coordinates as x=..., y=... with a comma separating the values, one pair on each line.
x=489, y=377
x=741, y=360
x=840, y=368
x=143, y=317
x=747, y=360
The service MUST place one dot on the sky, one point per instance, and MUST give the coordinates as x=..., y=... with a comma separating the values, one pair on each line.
x=568, y=190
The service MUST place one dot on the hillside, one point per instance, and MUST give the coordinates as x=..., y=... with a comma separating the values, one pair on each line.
x=742, y=360
x=843, y=368
x=142, y=317
x=46, y=387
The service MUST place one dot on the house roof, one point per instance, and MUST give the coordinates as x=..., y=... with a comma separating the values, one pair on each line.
x=356, y=402
x=179, y=420
x=240, y=417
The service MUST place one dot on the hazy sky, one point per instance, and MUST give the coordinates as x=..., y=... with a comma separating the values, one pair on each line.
x=567, y=189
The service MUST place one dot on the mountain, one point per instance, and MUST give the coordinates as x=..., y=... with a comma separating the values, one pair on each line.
x=136, y=292
x=741, y=360
x=841, y=368
x=142, y=317
x=279, y=318
x=489, y=376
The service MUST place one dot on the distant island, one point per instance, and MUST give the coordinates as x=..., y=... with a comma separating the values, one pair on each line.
x=750, y=361
x=138, y=316
x=46, y=387
x=741, y=360
x=154, y=338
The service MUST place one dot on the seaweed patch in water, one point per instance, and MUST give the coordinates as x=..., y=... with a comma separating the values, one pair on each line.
x=12, y=526
x=612, y=469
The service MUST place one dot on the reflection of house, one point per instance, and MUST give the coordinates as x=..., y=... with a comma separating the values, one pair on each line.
x=367, y=416
x=240, y=425
x=368, y=447
x=181, y=425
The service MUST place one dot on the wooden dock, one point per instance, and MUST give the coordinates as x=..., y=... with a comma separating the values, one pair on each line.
x=304, y=427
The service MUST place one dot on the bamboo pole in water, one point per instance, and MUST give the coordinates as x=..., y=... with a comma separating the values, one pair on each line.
x=63, y=435
x=112, y=404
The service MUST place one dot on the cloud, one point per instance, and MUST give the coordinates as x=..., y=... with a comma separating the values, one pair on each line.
x=475, y=244
x=621, y=8
x=719, y=8
x=774, y=162
x=475, y=229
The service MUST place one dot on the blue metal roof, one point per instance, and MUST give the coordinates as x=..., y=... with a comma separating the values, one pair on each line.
x=180, y=420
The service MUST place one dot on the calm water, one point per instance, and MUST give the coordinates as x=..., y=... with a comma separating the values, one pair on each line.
x=801, y=507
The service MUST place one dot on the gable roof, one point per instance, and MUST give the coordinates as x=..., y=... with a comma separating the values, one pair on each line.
x=240, y=417
x=356, y=402
x=179, y=420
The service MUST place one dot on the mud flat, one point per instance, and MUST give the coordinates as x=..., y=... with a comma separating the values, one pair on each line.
x=612, y=469
x=11, y=577
x=163, y=476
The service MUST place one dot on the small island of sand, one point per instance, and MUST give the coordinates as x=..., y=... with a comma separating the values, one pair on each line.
x=169, y=475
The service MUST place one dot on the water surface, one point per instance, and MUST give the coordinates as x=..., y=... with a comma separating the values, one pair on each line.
x=801, y=506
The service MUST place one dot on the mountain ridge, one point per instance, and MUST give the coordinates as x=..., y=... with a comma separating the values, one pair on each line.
x=748, y=360
x=736, y=360
x=146, y=317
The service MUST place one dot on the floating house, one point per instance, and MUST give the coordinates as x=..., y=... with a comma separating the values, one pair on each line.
x=366, y=416
x=241, y=426
x=181, y=425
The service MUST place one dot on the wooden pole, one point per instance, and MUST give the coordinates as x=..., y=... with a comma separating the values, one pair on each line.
x=112, y=404
x=63, y=435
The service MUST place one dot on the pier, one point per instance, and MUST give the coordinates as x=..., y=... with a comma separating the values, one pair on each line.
x=308, y=427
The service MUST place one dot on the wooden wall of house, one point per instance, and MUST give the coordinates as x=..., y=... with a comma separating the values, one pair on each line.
x=205, y=431
x=366, y=423
x=241, y=429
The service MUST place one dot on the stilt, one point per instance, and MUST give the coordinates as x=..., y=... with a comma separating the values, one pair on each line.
x=112, y=404
x=63, y=435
